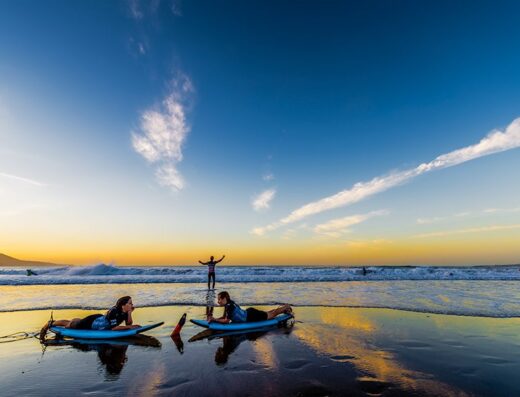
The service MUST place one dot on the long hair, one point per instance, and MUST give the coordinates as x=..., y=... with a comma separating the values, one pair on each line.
x=224, y=294
x=122, y=301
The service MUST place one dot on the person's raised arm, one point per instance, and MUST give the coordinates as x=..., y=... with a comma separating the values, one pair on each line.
x=220, y=260
x=202, y=263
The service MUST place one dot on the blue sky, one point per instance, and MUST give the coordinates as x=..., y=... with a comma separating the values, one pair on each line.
x=295, y=101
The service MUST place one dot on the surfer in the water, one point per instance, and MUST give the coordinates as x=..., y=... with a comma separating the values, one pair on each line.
x=122, y=311
x=234, y=313
x=211, y=269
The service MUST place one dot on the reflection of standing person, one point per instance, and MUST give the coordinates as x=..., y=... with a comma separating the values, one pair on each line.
x=211, y=268
x=210, y=298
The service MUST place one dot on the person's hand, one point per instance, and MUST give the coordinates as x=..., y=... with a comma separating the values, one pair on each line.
x=135, y=326
x=211, y=319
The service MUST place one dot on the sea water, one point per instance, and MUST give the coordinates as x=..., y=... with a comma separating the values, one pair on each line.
x=489, y=291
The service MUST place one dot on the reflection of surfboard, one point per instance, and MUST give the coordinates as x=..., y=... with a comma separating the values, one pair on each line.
x=242, y=326
x=210, y=334
x=96, y=334
x=136, y=340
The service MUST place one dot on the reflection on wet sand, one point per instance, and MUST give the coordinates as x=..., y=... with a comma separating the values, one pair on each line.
x=111, y=353
x=177, y=340
x=330, y=351
x=263, y=348
x=344, y=335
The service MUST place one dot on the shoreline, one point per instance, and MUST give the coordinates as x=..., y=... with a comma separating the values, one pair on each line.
x=368, y=308
x=494, y=299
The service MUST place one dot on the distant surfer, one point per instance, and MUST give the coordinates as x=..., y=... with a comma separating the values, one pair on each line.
x=31, y=273
x=234, y=313
x=122, y=311
x=211, y=268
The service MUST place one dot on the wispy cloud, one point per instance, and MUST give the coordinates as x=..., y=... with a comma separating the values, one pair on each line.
x=427, y=221
x=263, y=200
x=22, y=179
x=338, y=227
x=501, y=210
x=367, y=244
x=292, y=232
x=135, y=9
x=487, y=211
x=163, y=132
x=139, y=9
x=482, y=229
x=495, y=142
x=176, y=7
x=268, y=177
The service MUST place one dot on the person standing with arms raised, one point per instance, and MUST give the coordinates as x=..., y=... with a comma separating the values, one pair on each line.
x=211, y=268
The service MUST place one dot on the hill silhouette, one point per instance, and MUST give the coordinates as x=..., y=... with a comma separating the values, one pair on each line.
x=6, y=260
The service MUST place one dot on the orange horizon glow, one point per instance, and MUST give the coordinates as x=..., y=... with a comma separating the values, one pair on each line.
x=489, y=248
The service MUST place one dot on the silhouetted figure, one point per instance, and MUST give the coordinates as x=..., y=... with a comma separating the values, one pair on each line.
x=211, y=269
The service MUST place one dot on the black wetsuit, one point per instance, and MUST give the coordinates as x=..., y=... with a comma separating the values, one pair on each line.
x=236, y=314
x=113, y=316
x=116, y=317
x=86, y=323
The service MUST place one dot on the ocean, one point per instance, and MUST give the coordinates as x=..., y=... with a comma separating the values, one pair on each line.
x=482, y=291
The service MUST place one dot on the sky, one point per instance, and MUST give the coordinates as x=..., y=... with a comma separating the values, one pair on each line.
x=274, y=132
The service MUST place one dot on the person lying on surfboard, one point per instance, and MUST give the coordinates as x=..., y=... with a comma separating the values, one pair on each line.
x=234, y=313
x=211, y=268
x=122, y=311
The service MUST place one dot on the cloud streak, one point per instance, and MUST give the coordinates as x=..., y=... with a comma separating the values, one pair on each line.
x=21, y=179
x=337, y=227
x=263, y=200
x=163, y=132
x=488, y=211
x=495, y=142
x=482, y=229
x=268, y=177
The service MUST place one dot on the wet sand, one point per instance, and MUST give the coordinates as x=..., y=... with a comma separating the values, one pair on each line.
x=329, y=351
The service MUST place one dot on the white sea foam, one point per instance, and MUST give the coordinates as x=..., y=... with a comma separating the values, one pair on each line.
x=491, y=291
x=460, y=297
x=101, y=274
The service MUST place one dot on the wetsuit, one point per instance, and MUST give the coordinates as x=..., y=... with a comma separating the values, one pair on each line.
x=236, y=314
x=211, y=272
x=112, y=319
x=85, y=323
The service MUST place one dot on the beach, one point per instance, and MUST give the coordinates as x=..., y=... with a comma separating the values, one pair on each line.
x=348, y=162
x=328, y=351
x=375, y=331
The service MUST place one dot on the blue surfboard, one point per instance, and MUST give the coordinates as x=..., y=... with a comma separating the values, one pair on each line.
x=242, y=326
x=98, y=334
